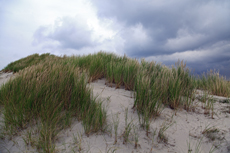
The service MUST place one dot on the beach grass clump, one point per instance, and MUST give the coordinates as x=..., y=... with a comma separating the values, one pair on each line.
x=180, y=84
x=214, y=83
x=114, y=70
x=49, y=94
x=96, y=69
x=158, y=85
x=152, y=69
x=95, y=64
x=122, y=72
x=115, y=126
x=26, y=62
x=147, y=99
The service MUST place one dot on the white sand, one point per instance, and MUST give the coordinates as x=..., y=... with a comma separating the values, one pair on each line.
x=4, y=77
x=187, y=127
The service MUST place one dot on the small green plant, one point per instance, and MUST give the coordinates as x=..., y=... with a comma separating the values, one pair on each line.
x=212, y=133
x=189, y=147
x=111, y=150
x=197, y=146
x=115, y=126
x=212, y=149
x=136, y=136
x=161, y=134
x=154, y=132
x=128, y=128
x=30, y=139
x=78, y=141
x=212, y=107
x=204, y=97
x=208, y=104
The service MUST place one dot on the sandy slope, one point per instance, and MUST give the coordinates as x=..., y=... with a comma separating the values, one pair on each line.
x=186, y=128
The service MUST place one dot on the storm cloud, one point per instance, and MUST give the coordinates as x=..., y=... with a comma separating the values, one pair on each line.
x=170, y=26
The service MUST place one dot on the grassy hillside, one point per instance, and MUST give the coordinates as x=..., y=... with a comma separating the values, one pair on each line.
x=49, y=90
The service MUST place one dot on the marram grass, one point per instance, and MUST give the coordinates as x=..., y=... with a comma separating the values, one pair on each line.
x=50, y=93
x=214, y=83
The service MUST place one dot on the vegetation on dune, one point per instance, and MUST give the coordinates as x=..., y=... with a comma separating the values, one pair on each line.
x=26, y=62
x=158, y=86
x=214, y=83
x=50, y=94
x=50, y=90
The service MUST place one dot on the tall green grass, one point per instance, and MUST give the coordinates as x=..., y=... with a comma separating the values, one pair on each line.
x=122, y=72
x=50, y=94
x=158, y=85
x=94, y=64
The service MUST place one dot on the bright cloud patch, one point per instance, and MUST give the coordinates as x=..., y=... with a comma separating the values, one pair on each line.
x=185, y=40
x=67, y=32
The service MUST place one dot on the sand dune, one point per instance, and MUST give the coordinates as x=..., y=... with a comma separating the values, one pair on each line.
x=185, y=128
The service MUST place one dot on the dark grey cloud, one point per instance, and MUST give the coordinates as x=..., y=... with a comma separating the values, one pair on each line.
x=164, y=19
x=202, y=67
x=216, y=57
x=67, y=33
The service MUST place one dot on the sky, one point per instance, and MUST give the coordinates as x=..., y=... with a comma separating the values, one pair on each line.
x=165, y=31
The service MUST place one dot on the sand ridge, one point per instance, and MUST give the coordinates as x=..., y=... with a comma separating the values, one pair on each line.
x=185, y=128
